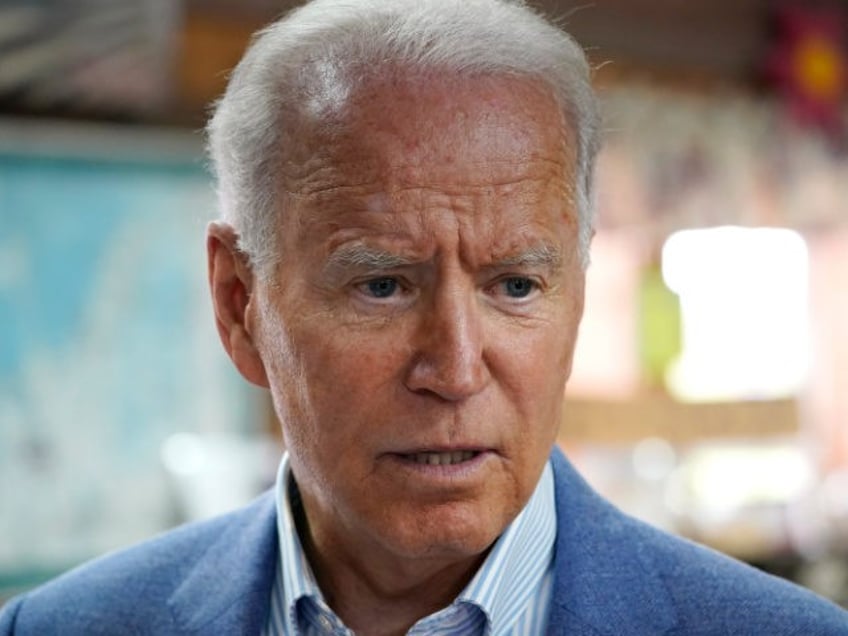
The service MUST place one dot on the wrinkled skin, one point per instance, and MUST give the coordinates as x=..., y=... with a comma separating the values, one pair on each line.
x=427, y=299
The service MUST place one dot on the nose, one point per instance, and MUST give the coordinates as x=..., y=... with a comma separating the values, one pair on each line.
x=449, y=358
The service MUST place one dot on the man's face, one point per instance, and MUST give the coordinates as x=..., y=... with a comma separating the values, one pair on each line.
x=418, y=332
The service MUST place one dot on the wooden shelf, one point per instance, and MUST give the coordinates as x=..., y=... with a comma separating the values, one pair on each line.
x=626, y=421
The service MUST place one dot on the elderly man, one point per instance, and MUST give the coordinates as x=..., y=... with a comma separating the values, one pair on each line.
x=405, y=190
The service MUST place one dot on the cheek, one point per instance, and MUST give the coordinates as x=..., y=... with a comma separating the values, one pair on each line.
x=542, y=364
x=534, y=376
x=350, y=370
x=349, y=384
x=345, y=379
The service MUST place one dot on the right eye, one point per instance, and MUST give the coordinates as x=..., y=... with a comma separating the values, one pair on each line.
x=383, y=287
x=518, y=286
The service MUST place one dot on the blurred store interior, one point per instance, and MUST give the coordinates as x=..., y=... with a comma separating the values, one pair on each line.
x=710, y=391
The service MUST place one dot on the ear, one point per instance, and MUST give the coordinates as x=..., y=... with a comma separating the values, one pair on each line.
x=231, y=283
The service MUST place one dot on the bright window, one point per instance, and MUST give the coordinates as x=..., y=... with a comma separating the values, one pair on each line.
x=743, y=298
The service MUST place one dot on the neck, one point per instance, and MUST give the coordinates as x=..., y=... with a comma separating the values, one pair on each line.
x=378, y=594
x=371, y=602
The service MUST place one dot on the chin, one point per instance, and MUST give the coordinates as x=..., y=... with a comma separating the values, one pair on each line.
x=447, y=533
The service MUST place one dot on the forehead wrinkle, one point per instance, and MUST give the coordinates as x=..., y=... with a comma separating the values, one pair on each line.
x=404, y=185
x=322, y=191
x=354, y=158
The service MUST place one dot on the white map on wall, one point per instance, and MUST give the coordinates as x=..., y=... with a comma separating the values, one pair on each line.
x=107, y=347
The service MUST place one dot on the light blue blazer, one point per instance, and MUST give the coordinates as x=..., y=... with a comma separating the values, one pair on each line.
x=614, y=576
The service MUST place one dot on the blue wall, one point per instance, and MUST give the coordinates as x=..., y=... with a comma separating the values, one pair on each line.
x=107, y=347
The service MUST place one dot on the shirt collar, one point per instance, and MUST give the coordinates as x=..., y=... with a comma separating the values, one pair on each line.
x=525, y=550
x=298, y=580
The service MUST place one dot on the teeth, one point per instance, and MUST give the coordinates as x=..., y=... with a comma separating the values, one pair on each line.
x=443, y=459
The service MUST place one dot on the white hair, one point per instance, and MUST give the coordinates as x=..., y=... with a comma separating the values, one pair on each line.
x=309, y=60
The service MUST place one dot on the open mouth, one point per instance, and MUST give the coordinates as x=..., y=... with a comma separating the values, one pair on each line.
x=449, y=458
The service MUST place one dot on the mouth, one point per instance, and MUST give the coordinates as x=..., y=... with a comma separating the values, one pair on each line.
x=426, y=468
x=447, y=458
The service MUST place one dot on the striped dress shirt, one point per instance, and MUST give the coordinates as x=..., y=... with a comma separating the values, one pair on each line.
x=508, y=596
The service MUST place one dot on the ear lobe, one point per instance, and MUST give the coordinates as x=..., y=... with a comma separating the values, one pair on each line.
x=231, y=285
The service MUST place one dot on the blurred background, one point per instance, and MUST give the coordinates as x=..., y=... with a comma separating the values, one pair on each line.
x=710, y=393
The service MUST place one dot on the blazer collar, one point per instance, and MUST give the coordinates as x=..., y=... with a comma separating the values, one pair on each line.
x=228, y=589
x=602, y=583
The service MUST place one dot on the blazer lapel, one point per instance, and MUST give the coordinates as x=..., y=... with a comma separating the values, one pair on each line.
x=228, y=590
x=602, y=584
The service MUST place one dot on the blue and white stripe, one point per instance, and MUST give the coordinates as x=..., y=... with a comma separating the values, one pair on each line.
x=509, y=595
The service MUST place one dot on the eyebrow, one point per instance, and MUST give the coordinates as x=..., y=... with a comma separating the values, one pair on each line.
x=359, y=255
x=536, y=256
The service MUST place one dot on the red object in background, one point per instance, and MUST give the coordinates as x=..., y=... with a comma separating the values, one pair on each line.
x=809, y=64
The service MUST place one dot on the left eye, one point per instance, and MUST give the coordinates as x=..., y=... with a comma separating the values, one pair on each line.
x=518, y=286
x=381, y=287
